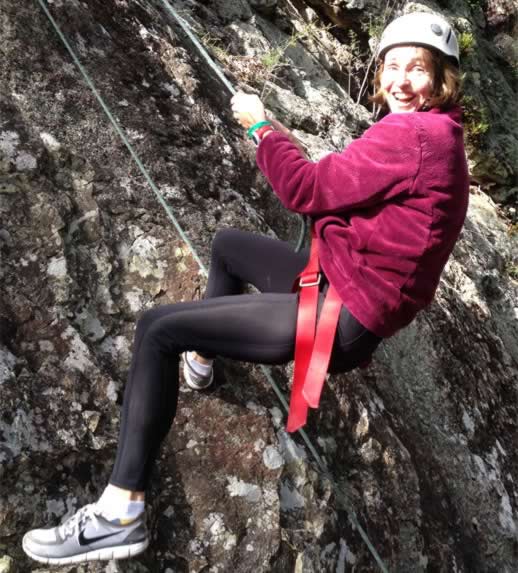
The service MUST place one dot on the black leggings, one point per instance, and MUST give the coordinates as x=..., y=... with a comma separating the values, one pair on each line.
x=256, y=328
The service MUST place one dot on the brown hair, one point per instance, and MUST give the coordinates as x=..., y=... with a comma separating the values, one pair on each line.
x=446, y=90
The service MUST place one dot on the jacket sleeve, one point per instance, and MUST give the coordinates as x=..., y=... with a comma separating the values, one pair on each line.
x=381, y=164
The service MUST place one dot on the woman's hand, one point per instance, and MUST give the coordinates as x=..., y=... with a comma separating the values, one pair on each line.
x=248, y=109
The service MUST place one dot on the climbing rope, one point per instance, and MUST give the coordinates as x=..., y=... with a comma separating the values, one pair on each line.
x=199, y=46
x=219, y=73
x=340, y=495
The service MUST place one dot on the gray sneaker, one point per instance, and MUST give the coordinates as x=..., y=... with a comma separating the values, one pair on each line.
x=87, y=536
x=192, y=378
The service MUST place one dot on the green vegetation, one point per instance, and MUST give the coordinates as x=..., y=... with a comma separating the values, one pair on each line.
x=511, y=266
x=249, y=69
x=477, y=4
x=352, y=58
x=476, y=122
x=273, y=58
x=213, y=45
x=512, y=271
x=466, y=44
x=245, y=69
x=376, y=26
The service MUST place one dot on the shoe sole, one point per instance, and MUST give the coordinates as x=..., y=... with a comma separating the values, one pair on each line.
x=104, y=554
x=191, y=385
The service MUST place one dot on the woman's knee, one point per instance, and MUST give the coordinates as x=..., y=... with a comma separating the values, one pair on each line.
x=225, y=241
x=147, y=319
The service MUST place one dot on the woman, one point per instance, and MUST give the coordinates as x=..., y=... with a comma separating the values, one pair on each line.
x=387, y=212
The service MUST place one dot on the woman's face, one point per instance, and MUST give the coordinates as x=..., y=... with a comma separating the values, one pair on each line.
x=407, y=78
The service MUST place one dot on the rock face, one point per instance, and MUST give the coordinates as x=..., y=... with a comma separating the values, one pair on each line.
x=421, y=446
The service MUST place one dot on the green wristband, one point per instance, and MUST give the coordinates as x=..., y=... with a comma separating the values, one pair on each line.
x=250, y=131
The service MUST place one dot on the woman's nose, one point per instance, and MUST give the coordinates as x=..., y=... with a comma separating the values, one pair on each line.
x=401, y=77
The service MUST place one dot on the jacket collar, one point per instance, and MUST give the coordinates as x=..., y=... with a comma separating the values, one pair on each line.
x=454, y=112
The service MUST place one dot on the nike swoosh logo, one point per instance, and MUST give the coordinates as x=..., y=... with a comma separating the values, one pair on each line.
x=83, y=540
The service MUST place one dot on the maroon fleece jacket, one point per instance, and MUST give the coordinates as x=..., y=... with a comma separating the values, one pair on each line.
x=387, y=210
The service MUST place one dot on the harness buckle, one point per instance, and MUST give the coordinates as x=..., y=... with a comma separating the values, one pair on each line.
x=310, y=282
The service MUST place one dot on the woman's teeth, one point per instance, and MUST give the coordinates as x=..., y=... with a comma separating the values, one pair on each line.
x=403, y=99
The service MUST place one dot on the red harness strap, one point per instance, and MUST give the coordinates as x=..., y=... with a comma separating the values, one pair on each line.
x=313, y=343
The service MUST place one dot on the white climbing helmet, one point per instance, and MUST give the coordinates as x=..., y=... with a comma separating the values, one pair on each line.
x=420, y=29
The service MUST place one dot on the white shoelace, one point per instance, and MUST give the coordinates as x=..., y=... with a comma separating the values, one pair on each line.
x=74, y=523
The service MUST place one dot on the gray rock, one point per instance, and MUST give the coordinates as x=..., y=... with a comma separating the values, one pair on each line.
x=264, y=6
x=421, y=446
x=230, y=10
x=6, y=564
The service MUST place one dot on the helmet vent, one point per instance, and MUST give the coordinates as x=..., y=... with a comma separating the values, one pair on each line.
x=436, y=29
x=449, y=36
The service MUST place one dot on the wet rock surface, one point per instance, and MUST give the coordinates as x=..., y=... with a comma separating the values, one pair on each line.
x=421, y=445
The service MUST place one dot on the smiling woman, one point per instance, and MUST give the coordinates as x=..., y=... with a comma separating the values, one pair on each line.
x=386, y=213
x=418, y=65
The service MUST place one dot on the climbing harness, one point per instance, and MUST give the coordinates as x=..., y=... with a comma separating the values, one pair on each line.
x=219, y=73
x=341, y=496
x=313, y=341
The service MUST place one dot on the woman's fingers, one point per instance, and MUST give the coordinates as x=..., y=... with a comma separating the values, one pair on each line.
x=247, y=109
